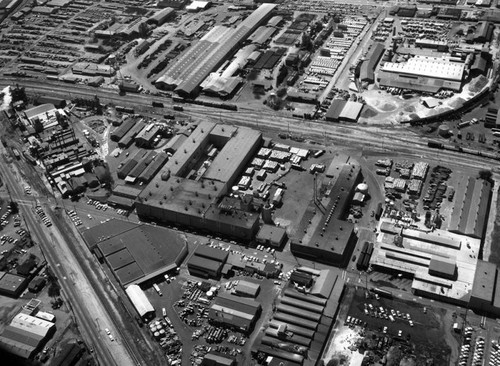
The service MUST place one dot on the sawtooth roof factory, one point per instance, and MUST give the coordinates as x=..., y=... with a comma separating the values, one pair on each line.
x=190, y=188
x=195, y=65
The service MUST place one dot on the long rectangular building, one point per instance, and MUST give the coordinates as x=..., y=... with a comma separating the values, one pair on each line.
x=234, y=312
x=186, y=75
x=421, y=73
x=470, y=212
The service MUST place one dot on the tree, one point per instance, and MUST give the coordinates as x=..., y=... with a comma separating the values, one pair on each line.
x=143, y=30
x=14, y=207
x=485, y=174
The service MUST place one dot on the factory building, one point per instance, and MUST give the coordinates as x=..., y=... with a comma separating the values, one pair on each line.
x=191, y=68
x=372, y=58
x=423, y=73
x=333, y=113
x=485, y=297
x=153, y=168
x=302, y=320
x=207, y=262
x=136, y=253
x=25, y=335
x=331, y=239
x=470, y=212
x=441, y=264
x=237, y=313
x=189, y=189
x=484, y=32
x=129, y=137
x=247, y=289
x=272, y=236
x=121, y=130
x=146, y=137
x=140, y=302
x=12, y=285
x=162, y=16
x=351, y=112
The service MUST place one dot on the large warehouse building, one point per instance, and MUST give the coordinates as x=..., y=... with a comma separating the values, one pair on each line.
x=186, y=75
x=25, y=335
x=331, y=239
x=136, y=253
x=188, y=190
x=470, y=212
x=234, y=312
x=302, y=321
x=485, y=297
x=423, y=73
x=442, y=264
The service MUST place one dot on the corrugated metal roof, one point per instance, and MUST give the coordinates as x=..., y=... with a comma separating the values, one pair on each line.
x=248, y=288
x=139, y=300
x=323, y=285
x=351, y=111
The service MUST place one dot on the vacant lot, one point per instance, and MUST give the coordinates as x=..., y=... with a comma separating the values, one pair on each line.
x=426, y=338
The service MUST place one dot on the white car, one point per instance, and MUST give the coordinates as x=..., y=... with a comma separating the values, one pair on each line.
x=107, y=331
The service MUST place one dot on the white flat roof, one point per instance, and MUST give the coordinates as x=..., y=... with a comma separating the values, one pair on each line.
x=435, y=67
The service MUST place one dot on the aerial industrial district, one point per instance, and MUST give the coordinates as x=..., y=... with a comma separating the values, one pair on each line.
x=241, y=183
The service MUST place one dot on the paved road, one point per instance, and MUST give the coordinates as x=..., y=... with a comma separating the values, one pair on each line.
x=91, y=317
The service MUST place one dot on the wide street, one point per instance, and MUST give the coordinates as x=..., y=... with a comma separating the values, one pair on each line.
x=86, y=304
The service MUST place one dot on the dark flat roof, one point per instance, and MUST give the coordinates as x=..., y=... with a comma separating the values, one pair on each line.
x=142, y=249
x=484, y=281
x=211, y=253
x=272, y=233
x=335, y=109
x=204, y=263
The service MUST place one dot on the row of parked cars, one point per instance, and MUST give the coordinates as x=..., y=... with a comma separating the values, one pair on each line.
x=383, y=313
x=97, y=205
x=4, y=219
x=74, y=217
x=43, y=216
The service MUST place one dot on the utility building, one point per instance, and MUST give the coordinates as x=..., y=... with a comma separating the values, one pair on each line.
x=140, y=301
x=25, y=335
x=234, y=312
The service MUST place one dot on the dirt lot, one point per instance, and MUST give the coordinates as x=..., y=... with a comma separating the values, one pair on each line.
x=423, y=342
